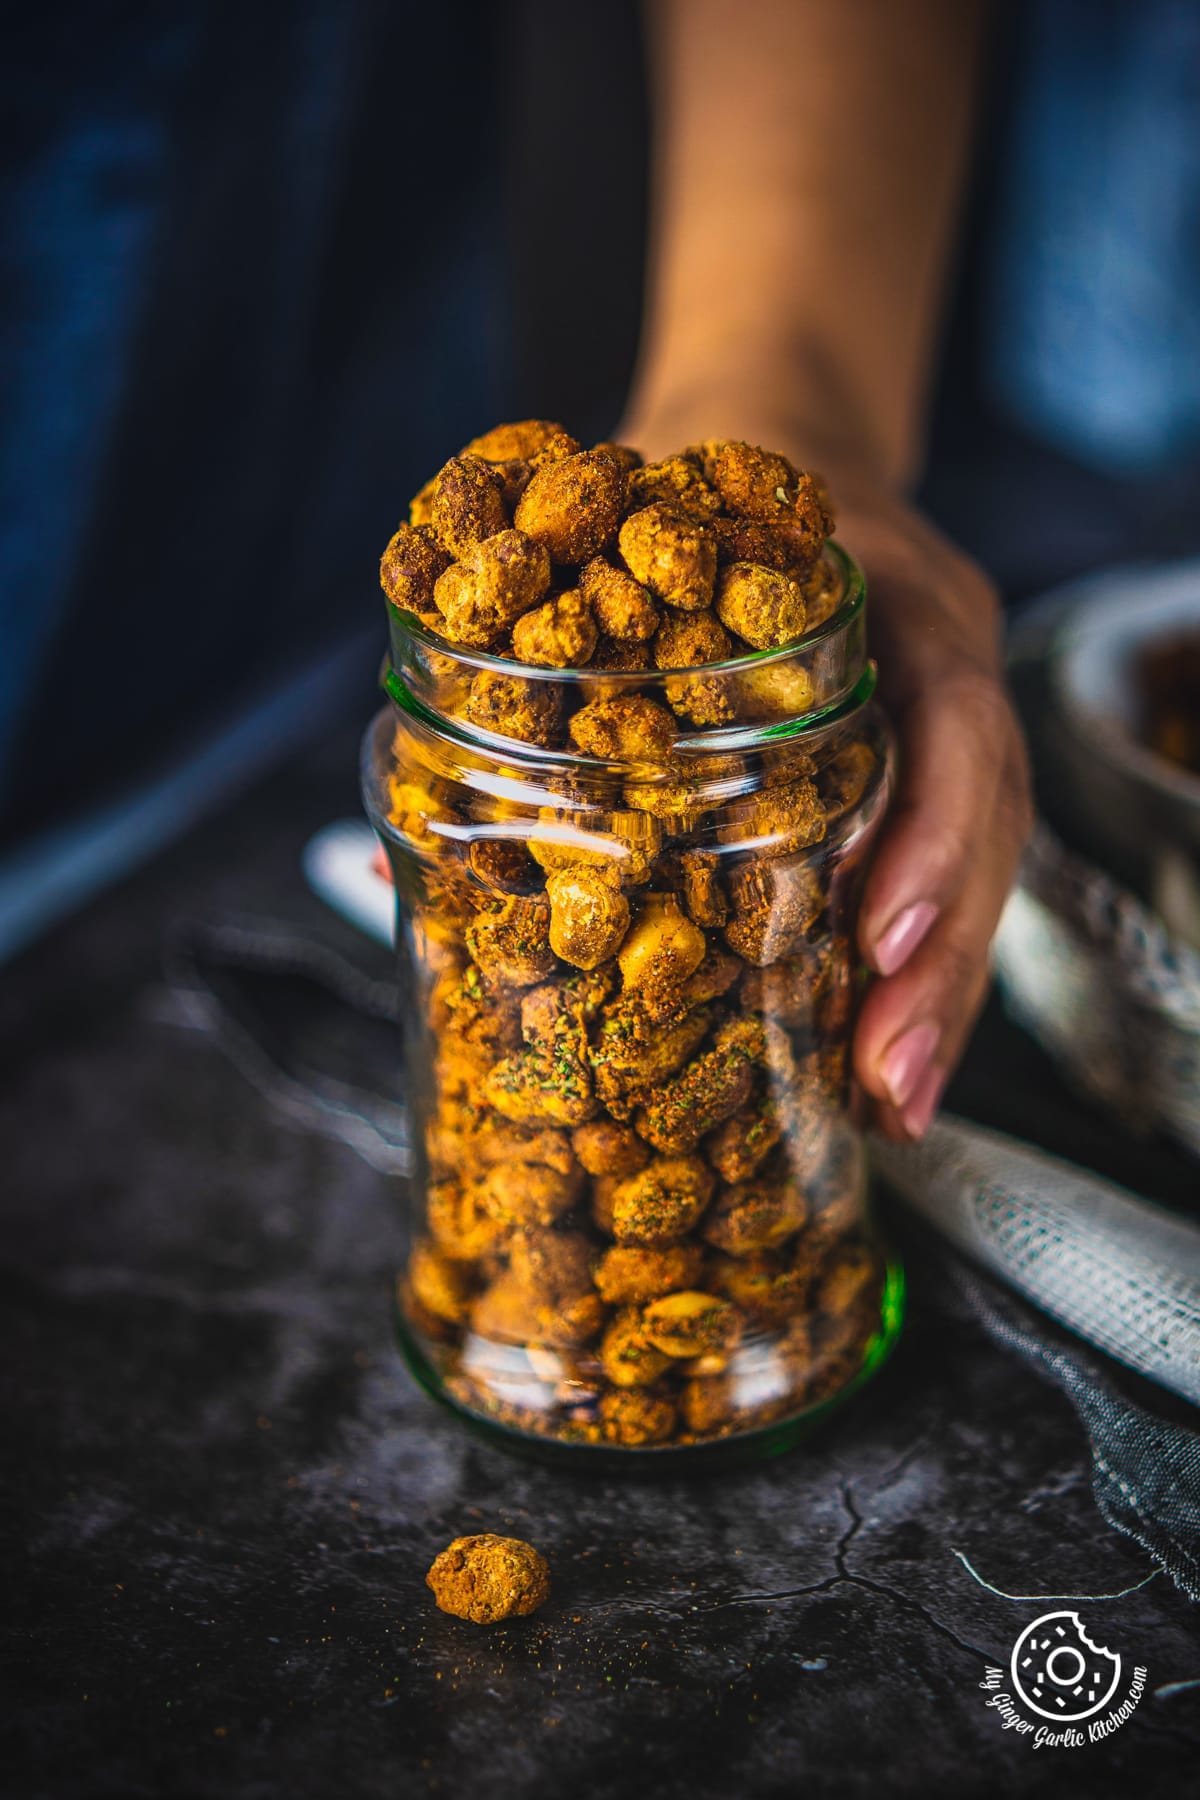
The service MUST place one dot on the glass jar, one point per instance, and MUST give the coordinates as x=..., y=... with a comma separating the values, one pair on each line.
x=639, y=1225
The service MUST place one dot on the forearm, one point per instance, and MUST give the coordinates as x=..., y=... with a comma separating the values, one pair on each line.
x=809, y=160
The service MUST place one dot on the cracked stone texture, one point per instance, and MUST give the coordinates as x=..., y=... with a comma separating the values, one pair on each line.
x=230, y=1490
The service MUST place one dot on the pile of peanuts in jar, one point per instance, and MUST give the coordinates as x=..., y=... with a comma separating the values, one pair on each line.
x=644, y=1201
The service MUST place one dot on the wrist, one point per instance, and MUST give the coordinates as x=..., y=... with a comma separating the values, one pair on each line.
x=759, y=405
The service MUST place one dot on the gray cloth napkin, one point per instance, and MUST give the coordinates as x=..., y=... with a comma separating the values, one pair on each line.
x=315, y=1034
x=1145, y=1467
x=1121, y=1273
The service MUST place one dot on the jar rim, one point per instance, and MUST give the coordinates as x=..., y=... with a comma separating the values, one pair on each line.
x=854, y=590
x=415, y=651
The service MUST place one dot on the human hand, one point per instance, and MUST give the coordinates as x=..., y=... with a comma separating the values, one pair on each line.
x=950, y=844
x=962, y=811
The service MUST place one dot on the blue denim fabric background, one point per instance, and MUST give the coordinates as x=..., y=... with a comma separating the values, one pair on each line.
x=1093, y=309
x=248, y=293
x=252, y=291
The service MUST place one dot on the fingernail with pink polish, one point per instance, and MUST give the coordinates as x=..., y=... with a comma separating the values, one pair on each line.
x=903, y=935
x=918, y=1114
x=904, y=1067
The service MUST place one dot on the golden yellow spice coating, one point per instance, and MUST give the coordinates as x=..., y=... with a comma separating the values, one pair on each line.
x=629, y=1276
x=551, y=1080
x=671, y=555
x=635, y=1417
x=410, y=566
x=711, y=1087
x=691, y=639
x=623, y=608
x=662, y=1203
x=761, y=605
x=738, y=1146
x=555, y=1270
x=474, y=1015
x=569, y=1320
x=573, y=506
x=589, y=915
x=678, y=481
x=787, y=990
x=754, y=1215
x=673, y=520
x=845, y=776
x=486, y=1578
x=707, y=1405
x=414, y=809
x=622, y=655
x=460, y=1227
x=784, y=545
x=703, y=894
x=559, y=634
x=503, y=865
x=497, y=1140
x=760, y=484
x=502, y=1314
x=624, y=455
x=519, y=442
x=687, y=641
x=623, y=842
x=556, y=448
x=553, y=1264
x=440, y=1285
x=625, y=728
x=604, y=1188
x=691, y=1324
x=450, y=1131
x=565, y=1009
x=822, y=593
x=774, y=906
x=494, y=582
x=510, y=942
x=635, y=953
x=525, y=1194
x=846, y=1278
x=606, y=1148
x=764, y=1285
x=420, y=507
x=466, y=505
x=779, y=690
x=663, y=1003
x=514, y=707
x=628, y=1064
x=627, y=1356
x=534, y=1087
x=662, y=947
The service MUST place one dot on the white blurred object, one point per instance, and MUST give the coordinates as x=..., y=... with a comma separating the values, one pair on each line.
x=1120, y=1271
x=341, y=866
x=1096, y=978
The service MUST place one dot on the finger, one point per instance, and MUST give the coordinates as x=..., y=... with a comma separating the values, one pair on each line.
x=902, y=1126
x=913, y=1025
x=956, y=744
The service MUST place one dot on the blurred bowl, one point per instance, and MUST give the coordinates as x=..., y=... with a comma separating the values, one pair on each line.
x=1128, y=789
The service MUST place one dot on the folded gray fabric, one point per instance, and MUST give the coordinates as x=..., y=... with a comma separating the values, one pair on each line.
x=1145, y=1468
x=1123, y=1273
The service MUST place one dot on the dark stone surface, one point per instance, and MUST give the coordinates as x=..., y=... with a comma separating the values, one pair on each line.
x=230, y=1490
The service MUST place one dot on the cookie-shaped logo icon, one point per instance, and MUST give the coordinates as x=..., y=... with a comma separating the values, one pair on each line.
x=1058, y=1671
